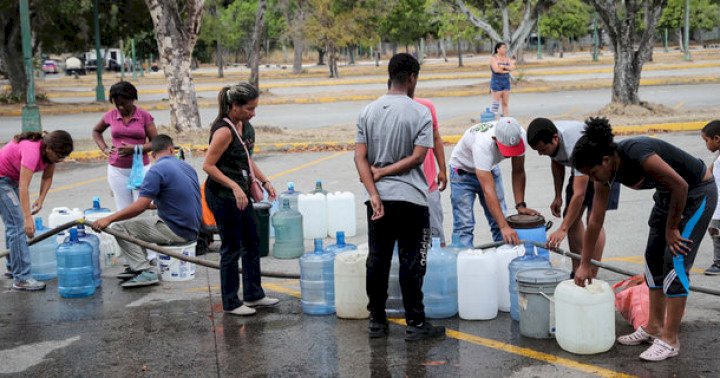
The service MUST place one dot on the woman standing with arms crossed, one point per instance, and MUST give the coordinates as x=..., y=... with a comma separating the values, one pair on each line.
x=500, y=67
x=227, y=193
x=129, y=125
x=26, y=154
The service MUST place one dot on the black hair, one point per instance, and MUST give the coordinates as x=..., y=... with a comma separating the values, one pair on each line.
x=712, y=129
x=597, y=142
x=239, y=94
x=59, y=141
x=497, y=46
x=123, y=89
x=161, y=142
x=541, y=130
x=401, y=67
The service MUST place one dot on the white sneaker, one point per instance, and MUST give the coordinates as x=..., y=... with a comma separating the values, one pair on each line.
x=242, y=311
x=29, y=284
x=263, y=302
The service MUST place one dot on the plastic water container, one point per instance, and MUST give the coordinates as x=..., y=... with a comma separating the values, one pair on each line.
x=477, y=284
x=317, y=284
x=394, y=307
x=526, y=261
x=290, y=194
x=61, y=215
x=172, y=269
x=340, y=245
x=318, y=188
x=288, y=233
x=530, y=227
x=535, y=299
x=585, y=317
x=487, y=116
x=43, y=261
x=440, y=287
x=456, y=245
x=109, y=248
x=503, y=256
x=94, y=241
x=75, y=268
x=341, y=213
x=350, y=276
x=313, y=208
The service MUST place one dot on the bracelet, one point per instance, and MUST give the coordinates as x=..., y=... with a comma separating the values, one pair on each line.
x=520, y=205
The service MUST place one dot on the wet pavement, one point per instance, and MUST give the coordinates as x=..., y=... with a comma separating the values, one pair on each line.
x=178, y=328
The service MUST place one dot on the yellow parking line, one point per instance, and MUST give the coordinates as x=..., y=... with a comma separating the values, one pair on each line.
x=679, y=105
x=72, y=186
x=640, y=259
x=306, y=165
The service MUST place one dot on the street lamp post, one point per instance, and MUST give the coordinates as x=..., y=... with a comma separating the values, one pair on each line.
x=687, y=30
x=132, y=46
x=30, y=112
x=665, y=43
x=99, y=89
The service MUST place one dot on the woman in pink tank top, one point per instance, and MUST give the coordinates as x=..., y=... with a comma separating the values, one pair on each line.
x=129, y=125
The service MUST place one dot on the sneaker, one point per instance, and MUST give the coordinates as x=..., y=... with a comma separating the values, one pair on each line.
x=144, y=278
x=29, y=284
x=713, y=270
x=8, y=275
x=659, y=351
x=636, y=338
x=423, y=331
x=242, y=311
x=263, y=302
x=127, y=274
x=377, y=330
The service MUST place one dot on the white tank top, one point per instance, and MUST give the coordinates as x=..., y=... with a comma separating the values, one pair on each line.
x=716, y=173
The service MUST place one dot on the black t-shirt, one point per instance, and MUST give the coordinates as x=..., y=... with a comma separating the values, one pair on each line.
x=634, y=151
x=233, y=162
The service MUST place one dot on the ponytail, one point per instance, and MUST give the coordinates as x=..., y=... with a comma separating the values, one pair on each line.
x=597, y=142
x=239, y=94
x=29, y=135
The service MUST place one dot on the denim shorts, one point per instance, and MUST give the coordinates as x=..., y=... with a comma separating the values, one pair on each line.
x=500, y=84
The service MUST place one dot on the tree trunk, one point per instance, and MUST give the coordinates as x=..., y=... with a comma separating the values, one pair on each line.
x=626, y=80
x=441, y=46
x=219, y=58
x=351, y=54
x=459, y=48
x=285, y=53
x=256, y=43
x=377, y=54
x=176, y=36
x=332, y=60
x=681, y=41
x=298, y=47
x=321, y=56
x=11, y=51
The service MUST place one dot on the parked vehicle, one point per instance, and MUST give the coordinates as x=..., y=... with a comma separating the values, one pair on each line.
x=74, y=66
x=50, y=66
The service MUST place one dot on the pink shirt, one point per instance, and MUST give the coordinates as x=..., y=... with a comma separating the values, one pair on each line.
x=131, y=133
x=26, y=154
x=429, y=163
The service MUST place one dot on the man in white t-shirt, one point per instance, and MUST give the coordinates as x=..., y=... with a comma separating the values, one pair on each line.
x=481, y=149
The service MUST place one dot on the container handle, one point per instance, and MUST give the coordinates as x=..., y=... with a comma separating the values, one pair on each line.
x=548, y=225
x=546, y=297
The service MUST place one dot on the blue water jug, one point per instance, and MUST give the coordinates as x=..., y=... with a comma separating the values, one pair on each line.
x=289, y=242
x=530, y=228
x=43, y=261
x=487, y=116
x=394, y=307
x=440, y=290
x=96, y=208
x=529, y=260
x=95, y=243
x=340, y=245
x=317, y=282
x=319, y=188
x=290, y=194
x=456, y=245
x=75, y=268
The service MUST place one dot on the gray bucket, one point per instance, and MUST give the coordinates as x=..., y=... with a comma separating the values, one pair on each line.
x=536, y=288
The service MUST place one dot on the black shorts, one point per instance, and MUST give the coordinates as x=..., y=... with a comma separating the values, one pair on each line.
x=613, y=201
x=699, y=208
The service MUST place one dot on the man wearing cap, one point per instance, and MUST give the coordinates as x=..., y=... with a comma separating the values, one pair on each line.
x=481, y=149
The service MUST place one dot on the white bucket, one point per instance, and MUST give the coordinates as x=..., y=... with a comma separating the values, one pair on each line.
x=172, y=269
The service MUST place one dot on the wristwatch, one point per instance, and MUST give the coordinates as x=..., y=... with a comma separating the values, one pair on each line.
x=520, y=205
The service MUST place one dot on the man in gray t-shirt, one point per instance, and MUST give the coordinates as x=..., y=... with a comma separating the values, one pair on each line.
x=393, y=135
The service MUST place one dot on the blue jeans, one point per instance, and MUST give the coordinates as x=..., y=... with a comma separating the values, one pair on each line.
x=18, y=262
x=463, y=189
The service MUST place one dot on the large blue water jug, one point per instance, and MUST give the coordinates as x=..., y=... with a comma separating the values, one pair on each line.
x=456, y=245
x=94, y=241
x=289, y=242
x=440, y=290
x=394, y=307
x=530, y=228
x=317, y=283
x=340, y=245
x=42, y=255
x=96, y=208
x=75, y=268
x=290, y=194
x=529, y=260
x=487, y=116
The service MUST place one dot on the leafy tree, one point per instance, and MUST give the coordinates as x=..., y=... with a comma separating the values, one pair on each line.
x=451, y=24
x=704, y=15
x=568, y=19
x=406, y=21
x=295, y=13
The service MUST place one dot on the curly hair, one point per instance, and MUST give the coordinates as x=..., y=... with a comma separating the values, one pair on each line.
x=597, y=142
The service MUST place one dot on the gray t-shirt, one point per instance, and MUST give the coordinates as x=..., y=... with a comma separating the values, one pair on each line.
x=569, y=132
x=391, y=127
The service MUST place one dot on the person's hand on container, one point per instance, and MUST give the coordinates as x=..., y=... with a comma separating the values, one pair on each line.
x=272, y=194
x=100, y=224
x=527, y=211
x=29, y=227
x=509, y=235
x=583, y=273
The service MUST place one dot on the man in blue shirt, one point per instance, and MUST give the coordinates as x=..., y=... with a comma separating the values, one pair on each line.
x=172, y=185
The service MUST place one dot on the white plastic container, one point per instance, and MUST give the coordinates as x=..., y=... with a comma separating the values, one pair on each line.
x=504, y=255
x=350, y=296
x=172, y=269
x=477, y=284
x=585, y=317
x=109, y=248
x=341, y=213
x=61, y=215
x=313, y=208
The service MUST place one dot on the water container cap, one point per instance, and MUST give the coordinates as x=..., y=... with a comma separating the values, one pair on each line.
x=318, y=246
x=73, y=235
x=38, y=223
x=340, y=238
x=542, y=276
x=291, y=186
x=436, y=243
x=523, y=221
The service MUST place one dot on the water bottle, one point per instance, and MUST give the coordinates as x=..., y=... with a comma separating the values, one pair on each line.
x=291, y=194
x=529, y=260
x=340, y=245
x=394, y=307
x=440, y=287
x=42, y=255
x=75, y=268
x=487, y=116
x=319, y=188
x=288, y=233
x=317, y=281
x=97, y=209
x=456, y=245
x=94, y=241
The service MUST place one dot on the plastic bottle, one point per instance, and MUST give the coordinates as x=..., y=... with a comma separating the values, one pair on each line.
x=288, y=233
x=504, y=255
x=394, y=307
x=530, y=260
x=340, y=245
x=585, y=317
x=109, y=248
x=317, y=281
x=477, y=284
x=94, y=241
x=487, y=116
x=350, y=274
x=290, y=194
x=318, y=188
x=60, y=216
x=456, y=245
x=75, y=268
x=440, y=287
x=313, y=208
x=42, y=255
x=341, y=213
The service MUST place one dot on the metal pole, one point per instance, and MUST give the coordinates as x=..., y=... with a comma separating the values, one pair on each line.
x=665, y=43
x=539, y=47
x=122, y=60
x=595, y=39
x=99, y=89
x=132, y=64
x=687, y=30
x=30, y=112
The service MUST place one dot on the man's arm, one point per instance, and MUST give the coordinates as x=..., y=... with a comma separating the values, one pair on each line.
x=136, y=208
x=573, y=211
x=366, y=177
x=487, y=182
x=558, y=173
x=518, y=183
x=439, y=152
x=401, y=166
x=595, y=223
